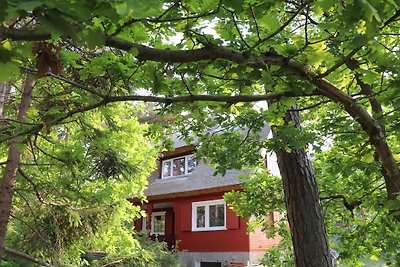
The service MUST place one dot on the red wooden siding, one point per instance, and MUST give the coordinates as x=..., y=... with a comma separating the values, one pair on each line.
x=232, y=220
x=185, y=220
x=233, y=239
x=138, y=224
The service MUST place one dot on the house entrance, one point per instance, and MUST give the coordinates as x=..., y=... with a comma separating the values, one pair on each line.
x=163, y=223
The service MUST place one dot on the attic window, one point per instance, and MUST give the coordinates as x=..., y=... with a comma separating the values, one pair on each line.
x=179, y=166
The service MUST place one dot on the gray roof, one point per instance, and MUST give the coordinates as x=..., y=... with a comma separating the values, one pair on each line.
x=201, y=178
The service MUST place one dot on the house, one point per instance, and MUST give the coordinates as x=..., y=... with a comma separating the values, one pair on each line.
x=185, y=204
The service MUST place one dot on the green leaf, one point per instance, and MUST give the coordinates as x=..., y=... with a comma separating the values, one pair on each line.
x=370, y=11
x=8, y=70
x=93, y=38
x=27, y=5
x=236, y=5
x=134, y=51
x=266, y=77
x=122, y=8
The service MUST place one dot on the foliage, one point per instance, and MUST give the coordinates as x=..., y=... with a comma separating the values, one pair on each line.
x=354, y=208
x=151, y=254
x=251, y=201
x=252, y=205
x=73, y=199
x=88, y=54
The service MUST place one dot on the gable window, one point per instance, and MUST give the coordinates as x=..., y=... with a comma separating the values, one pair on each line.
x=158, y=223
x=179, y=166
x=209, y=215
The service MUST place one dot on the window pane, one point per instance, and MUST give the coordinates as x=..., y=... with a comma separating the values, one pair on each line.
x=166, y=168
x=201, y=217
x=217, y=216
x=179, y=166
x=191, y=163
x=159, y=223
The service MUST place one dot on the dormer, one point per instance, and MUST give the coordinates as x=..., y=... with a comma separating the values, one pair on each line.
x=177, y=163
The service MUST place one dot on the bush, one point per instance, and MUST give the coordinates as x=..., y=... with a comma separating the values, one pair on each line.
x=151, y=254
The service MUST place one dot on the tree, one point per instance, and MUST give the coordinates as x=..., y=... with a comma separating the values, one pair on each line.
x=230, y=52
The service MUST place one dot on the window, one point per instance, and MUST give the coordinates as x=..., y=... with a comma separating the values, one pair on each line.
x=158, y=223
x=144, y=224
x=208, y=215
x=179, y=166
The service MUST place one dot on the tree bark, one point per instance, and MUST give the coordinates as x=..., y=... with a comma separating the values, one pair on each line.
x=10, y=171
x=304, y=211
x=377, y=111
x=3, y=90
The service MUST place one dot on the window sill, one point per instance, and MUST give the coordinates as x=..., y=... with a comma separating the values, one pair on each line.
x=222, y=228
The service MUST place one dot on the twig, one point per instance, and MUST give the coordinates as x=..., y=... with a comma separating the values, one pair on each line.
x=61, y=78
x=391, y=19
x=159, y=20
x=283, y=26
x=340, y=62
x=237, y=27
x=255, y=22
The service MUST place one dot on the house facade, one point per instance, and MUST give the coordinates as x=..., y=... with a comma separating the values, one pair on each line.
x=185, y=205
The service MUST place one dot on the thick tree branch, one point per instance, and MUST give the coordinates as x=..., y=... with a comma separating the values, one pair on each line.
x=213, y=52
x=180, y=99
x=157, y=99
x=23, y=35
x=26, y=257
x=350, y=206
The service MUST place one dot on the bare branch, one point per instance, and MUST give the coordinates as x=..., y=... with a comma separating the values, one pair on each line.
x=26, y=257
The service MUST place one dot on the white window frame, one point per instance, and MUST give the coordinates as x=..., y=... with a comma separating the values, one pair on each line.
x=144, y=223
x=207, y=205
x=154, y=214
x=171, y=160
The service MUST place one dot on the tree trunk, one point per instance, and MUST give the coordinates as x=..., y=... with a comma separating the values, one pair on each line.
x=10, y=171
x=304, y=211
x=2, y=98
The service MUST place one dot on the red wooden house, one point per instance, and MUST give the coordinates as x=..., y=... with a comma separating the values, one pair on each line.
x=185, y=204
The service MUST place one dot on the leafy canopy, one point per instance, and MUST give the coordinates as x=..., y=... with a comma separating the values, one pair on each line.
x=90, y=53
